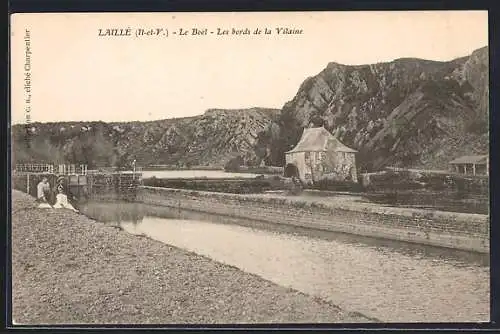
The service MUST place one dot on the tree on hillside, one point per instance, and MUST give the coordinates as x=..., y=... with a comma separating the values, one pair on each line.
x=233, y=165
x=316, y=121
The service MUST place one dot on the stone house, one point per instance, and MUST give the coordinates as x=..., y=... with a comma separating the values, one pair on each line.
x=319, y=155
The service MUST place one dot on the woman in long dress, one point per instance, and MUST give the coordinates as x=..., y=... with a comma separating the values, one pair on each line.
x=62, y=200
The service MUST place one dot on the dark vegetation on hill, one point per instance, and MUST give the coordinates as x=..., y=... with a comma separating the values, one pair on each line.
x=405, y=113
x=211, y=139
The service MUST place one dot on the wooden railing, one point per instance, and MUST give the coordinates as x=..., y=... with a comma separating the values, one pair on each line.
x=61, y=169
x=35, y=168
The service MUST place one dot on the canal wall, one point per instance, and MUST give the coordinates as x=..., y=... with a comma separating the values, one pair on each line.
x=468, y=232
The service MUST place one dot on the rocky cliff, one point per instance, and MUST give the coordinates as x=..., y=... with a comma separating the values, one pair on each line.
x=210, y=139
x=408, y=113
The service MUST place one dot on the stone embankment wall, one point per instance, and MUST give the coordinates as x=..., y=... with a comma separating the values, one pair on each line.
x=444, y=229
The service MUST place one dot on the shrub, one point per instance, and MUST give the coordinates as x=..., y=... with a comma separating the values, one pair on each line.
x=240, y=186
x=233, y=165
x=333, y=185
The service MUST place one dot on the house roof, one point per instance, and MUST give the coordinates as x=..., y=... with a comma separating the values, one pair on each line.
x=470, y=159
x=319, y=139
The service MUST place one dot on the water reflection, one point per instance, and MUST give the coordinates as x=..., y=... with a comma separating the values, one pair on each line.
x=388, y=280
x=118, y=212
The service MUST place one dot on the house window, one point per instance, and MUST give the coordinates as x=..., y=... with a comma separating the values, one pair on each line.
x=307, y=157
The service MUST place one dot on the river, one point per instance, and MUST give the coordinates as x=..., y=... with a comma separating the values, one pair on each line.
x=192, y=174
x=388, y=280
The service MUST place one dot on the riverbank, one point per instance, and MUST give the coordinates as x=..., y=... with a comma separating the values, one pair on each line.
x=69, y=269
x=342, y=213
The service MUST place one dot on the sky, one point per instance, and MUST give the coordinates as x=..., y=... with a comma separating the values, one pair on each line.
x=77, y=75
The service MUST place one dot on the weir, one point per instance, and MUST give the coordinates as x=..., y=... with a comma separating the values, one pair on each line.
x=79, y=183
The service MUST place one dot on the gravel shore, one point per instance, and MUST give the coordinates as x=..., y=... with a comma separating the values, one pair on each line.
x=69, y=269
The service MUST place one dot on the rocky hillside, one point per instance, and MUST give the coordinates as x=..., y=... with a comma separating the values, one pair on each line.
x=209, y=139
x=409, y=112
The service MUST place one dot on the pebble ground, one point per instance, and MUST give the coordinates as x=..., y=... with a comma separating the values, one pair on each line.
x=69, y=269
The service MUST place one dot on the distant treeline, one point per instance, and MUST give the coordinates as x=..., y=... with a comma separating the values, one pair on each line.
x=235, y=186
x=237, y=164
x=404, y=180
x=383, y=182
x=260, y=170
x=177, y=167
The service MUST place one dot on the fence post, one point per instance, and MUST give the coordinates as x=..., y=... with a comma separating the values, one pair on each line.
x=90, y=181
x=28, y=183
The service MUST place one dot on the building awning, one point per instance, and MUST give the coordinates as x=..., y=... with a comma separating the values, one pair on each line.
x=470, y=159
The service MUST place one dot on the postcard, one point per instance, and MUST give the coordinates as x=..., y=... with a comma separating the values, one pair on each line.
x=250, y=168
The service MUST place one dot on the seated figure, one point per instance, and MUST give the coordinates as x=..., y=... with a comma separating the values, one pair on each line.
x=62, y=200
x=43, y=192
